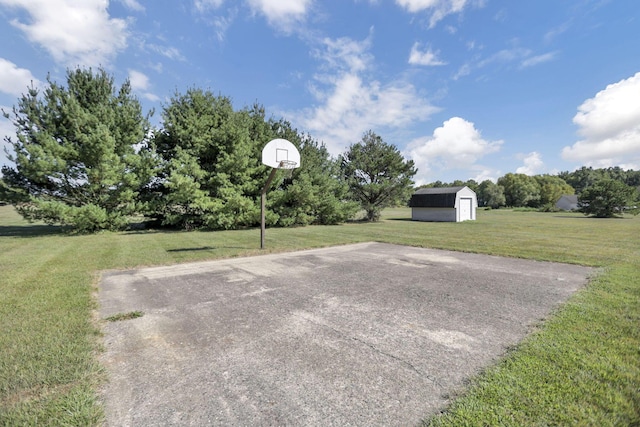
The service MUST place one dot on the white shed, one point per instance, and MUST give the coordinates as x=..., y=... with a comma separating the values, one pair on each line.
x=568, y=202
x=445, y=204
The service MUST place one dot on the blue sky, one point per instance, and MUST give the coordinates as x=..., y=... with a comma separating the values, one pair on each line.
x=468, y=89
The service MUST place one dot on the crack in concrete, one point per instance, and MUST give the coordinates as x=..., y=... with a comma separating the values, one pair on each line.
x=431, y=378
x=394, y=357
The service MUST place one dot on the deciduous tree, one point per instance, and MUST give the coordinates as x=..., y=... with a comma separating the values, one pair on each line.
x=587, y=176
x=551, y=189
x=520, y=190
x=490, y=194
x=581, y=178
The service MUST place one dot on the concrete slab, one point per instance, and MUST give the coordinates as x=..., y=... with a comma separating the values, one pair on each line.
x=365, y=334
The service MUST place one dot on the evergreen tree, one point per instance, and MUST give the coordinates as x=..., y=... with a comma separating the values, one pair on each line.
x=314, y=194
x=377, y=174
x=607, y=198
x=80, y=155
x=213, y=175
x=209, y=161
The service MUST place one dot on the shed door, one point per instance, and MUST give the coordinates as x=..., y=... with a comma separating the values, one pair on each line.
x=465, y=209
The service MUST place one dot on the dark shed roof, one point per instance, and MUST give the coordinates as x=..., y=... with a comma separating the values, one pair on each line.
x=442, y=197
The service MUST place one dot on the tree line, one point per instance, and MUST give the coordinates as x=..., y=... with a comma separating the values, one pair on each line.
x=600, y=192
x=86, y=157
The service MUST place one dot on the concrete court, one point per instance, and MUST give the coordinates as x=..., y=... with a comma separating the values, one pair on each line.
x=364, y=334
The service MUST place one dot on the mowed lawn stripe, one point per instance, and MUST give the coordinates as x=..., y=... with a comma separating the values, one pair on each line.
x=50, y=340
x=46, y=347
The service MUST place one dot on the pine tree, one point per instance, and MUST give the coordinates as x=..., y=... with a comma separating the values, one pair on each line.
x=79, y=152
x=607, y=198
x=209, y=164
x=377, y=174
x=315, y=193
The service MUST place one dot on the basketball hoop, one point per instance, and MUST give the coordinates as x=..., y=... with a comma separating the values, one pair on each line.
x=287, y=164
x=278, y=154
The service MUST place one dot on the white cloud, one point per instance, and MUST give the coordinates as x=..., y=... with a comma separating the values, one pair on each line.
x=552, y=34
x=140, y=83
x=222, y=24
x=282, y=14
x=166, y=51
x=610, y=126
x=220, y=20
x=133, y=5
x=506, y=57
x=157, y=67
x=438, y=8
x=484, y=173
x=345, y=54
x=151, y=96
x=74, y=32
x=464, y=70
x=204, y=5
x=501, y=15
x=138, y=80
x=427, y=58
x=457, y=144
x=14, y=80
x=538, y=59
x=532, y=163
x=351, y=102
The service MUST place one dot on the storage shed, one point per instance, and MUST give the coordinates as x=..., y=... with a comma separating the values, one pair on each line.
x=568, y=202
x=445, y=204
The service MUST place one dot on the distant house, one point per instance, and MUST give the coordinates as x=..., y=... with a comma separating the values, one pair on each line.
x=568, y=202
x=445, y=204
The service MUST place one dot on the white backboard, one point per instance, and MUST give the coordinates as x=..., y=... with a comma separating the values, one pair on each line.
x=278, y=150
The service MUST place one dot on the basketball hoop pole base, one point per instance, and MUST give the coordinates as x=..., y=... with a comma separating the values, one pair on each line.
x=263, y=205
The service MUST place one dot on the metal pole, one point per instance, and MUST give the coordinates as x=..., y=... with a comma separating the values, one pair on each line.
x=263, y=205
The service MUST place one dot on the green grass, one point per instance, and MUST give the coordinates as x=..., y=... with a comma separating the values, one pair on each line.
x=124, y=316
x=581, y=367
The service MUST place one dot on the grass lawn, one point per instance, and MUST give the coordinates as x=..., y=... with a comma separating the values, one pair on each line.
x=581, y=367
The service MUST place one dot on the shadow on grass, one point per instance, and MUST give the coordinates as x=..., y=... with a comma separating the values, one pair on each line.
x=591, y=217
x=203, y=248
x=30, y=230
x=152, y=231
